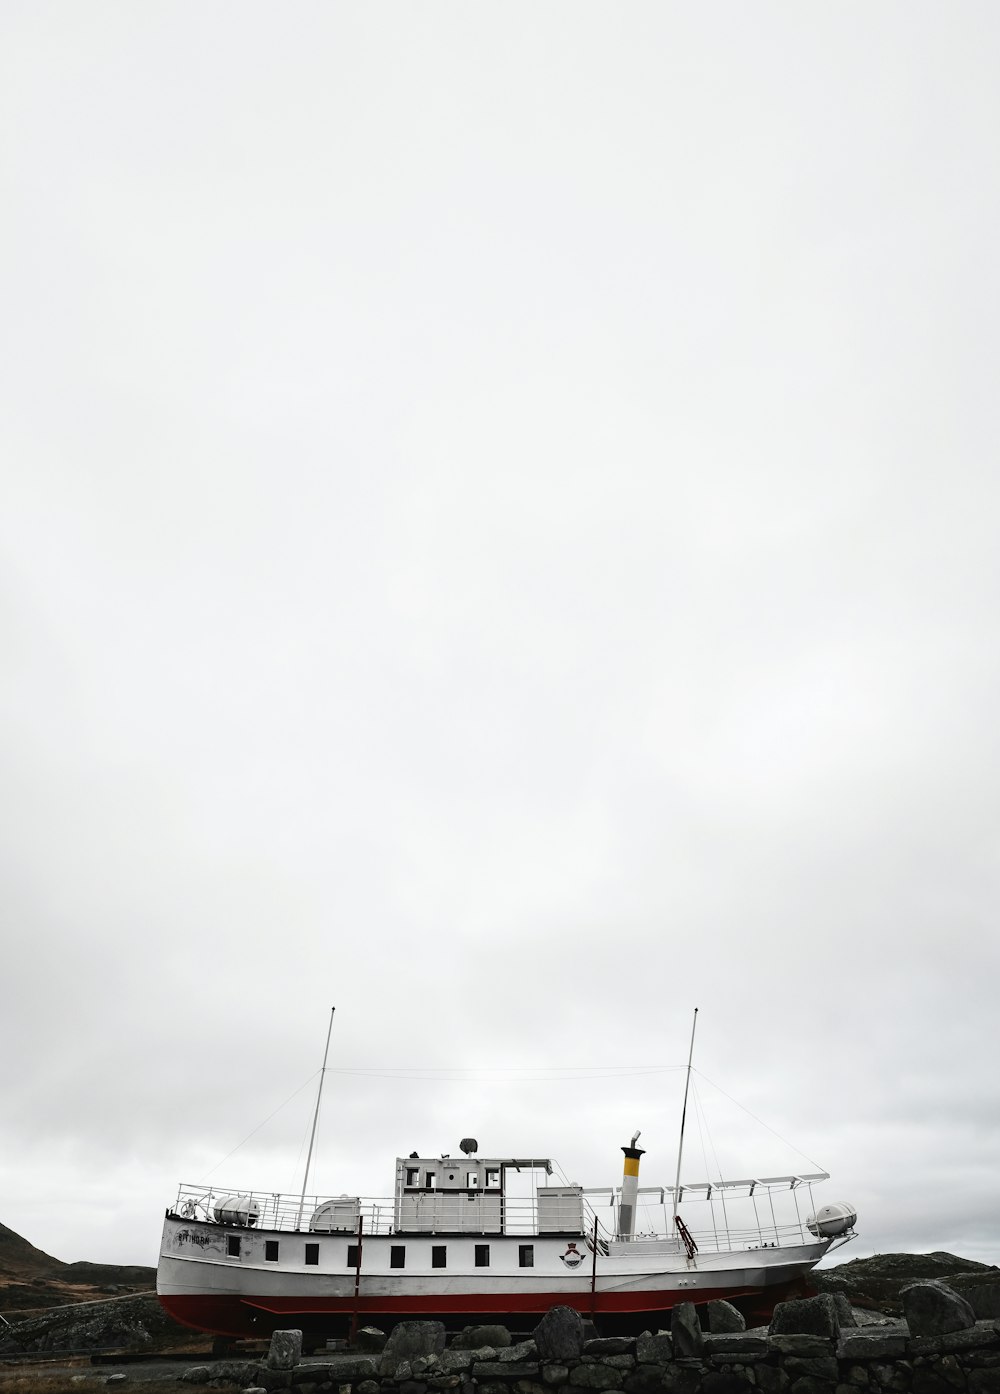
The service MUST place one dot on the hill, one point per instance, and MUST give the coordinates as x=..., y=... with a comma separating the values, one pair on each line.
x=33, y=1281
x=876, y=1282
x=19, y=1259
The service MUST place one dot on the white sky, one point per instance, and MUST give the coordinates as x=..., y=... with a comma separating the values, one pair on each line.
x=499, y=534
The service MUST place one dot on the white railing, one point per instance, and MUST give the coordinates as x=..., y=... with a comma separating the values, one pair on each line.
x=269, y=1210
x=736, y=1223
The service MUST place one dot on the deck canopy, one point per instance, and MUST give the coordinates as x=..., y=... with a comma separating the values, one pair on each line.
x=703, y=1190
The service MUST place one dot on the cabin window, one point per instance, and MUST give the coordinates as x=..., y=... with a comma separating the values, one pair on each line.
x=493, y=1176
x=526, y=1255
x=473, y=1180
x=429, y=1181
x=439, y=1256
x=353, y=1255
x=397, y=1256
x=233, y=1245
x=271, y=1250
x=482, y=1256
x=413, y=1176
x=312, y=1253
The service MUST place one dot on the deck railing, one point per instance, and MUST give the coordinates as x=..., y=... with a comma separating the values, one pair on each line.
x=273, y=1211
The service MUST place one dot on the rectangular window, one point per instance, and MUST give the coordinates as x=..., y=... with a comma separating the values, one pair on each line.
x=493, y=1176
x=482, y=1256
x=439, y=1256
x=431, y=1177
x=397, y=1256
x=473, y=1180
x=526, y=1255
x=353, y=1255
x=271, y=1250
x=233, y=1245
x=413, y=1176
x=312, y=1253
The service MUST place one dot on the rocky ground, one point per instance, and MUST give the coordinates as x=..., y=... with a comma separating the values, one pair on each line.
x=874, y=1283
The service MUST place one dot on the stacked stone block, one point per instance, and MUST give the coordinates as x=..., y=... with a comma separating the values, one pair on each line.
x=812, y=1347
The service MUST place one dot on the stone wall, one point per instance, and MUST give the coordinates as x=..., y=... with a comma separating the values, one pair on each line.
x=811, y=1347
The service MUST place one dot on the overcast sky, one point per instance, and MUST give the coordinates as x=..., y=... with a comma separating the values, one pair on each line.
x=499, y=535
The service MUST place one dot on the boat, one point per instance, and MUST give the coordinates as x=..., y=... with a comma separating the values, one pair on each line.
x=489, y=1238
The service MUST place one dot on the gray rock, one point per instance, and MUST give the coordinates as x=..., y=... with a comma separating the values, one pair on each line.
x=619, y=1362
x=985, y=1381
x=808, y=1316
x=871, y=1345
x=371, y=1338
x=647, y=1379
x=685, y=1329
x=820, y=1367
x=407, y=1341
x=654, y=1350
x=809, y=1384
x=725, y=1382
x=347, y=1369
x=456, y=1360
x=844, y=1310
x=933, y=1309
x=476, y=1337
x=771, y=1379
x=984, y=1300
x=524, y=1350
x=508, y=1369
x=560, y=1334
x=555, y=1374
x=983, y=1333
x=796, y=1343
x=241, y=1372
x=926, y=1381
x=733, y=1345
x=118, y=1378
x=724, y=1317
x=367, y=1386
x=197, y=1374
x=597, y=1376
x=285, y=1351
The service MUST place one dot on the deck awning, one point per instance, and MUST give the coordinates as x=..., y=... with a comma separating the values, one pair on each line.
x=702, y=1190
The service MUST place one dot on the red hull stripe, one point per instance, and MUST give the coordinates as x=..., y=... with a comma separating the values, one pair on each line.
x=230, y=1315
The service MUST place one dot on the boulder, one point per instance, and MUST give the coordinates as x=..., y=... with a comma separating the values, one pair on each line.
x=685, y=1329
x=654, y=1350
x=476, y=1337
x=807, y=1316
x=370, y=1338
x=560, y=1334
x=932, y=1309
x=723, y=1317
x=409, y=1340
x=285, y=1351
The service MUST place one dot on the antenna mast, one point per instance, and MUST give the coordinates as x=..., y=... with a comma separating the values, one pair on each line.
x=680, y=1145
x=312, y=1135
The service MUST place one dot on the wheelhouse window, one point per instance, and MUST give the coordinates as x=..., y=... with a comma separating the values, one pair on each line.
x=312, y=1253
x=233, y=1245
x=413, y=1176
x=271, y=1250
x=482, y=1256
x=526, y=1255
x=439, y=1256
x=397, y=1256
x=473, y=1180
x=353, y=1255
x=493, y=1177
